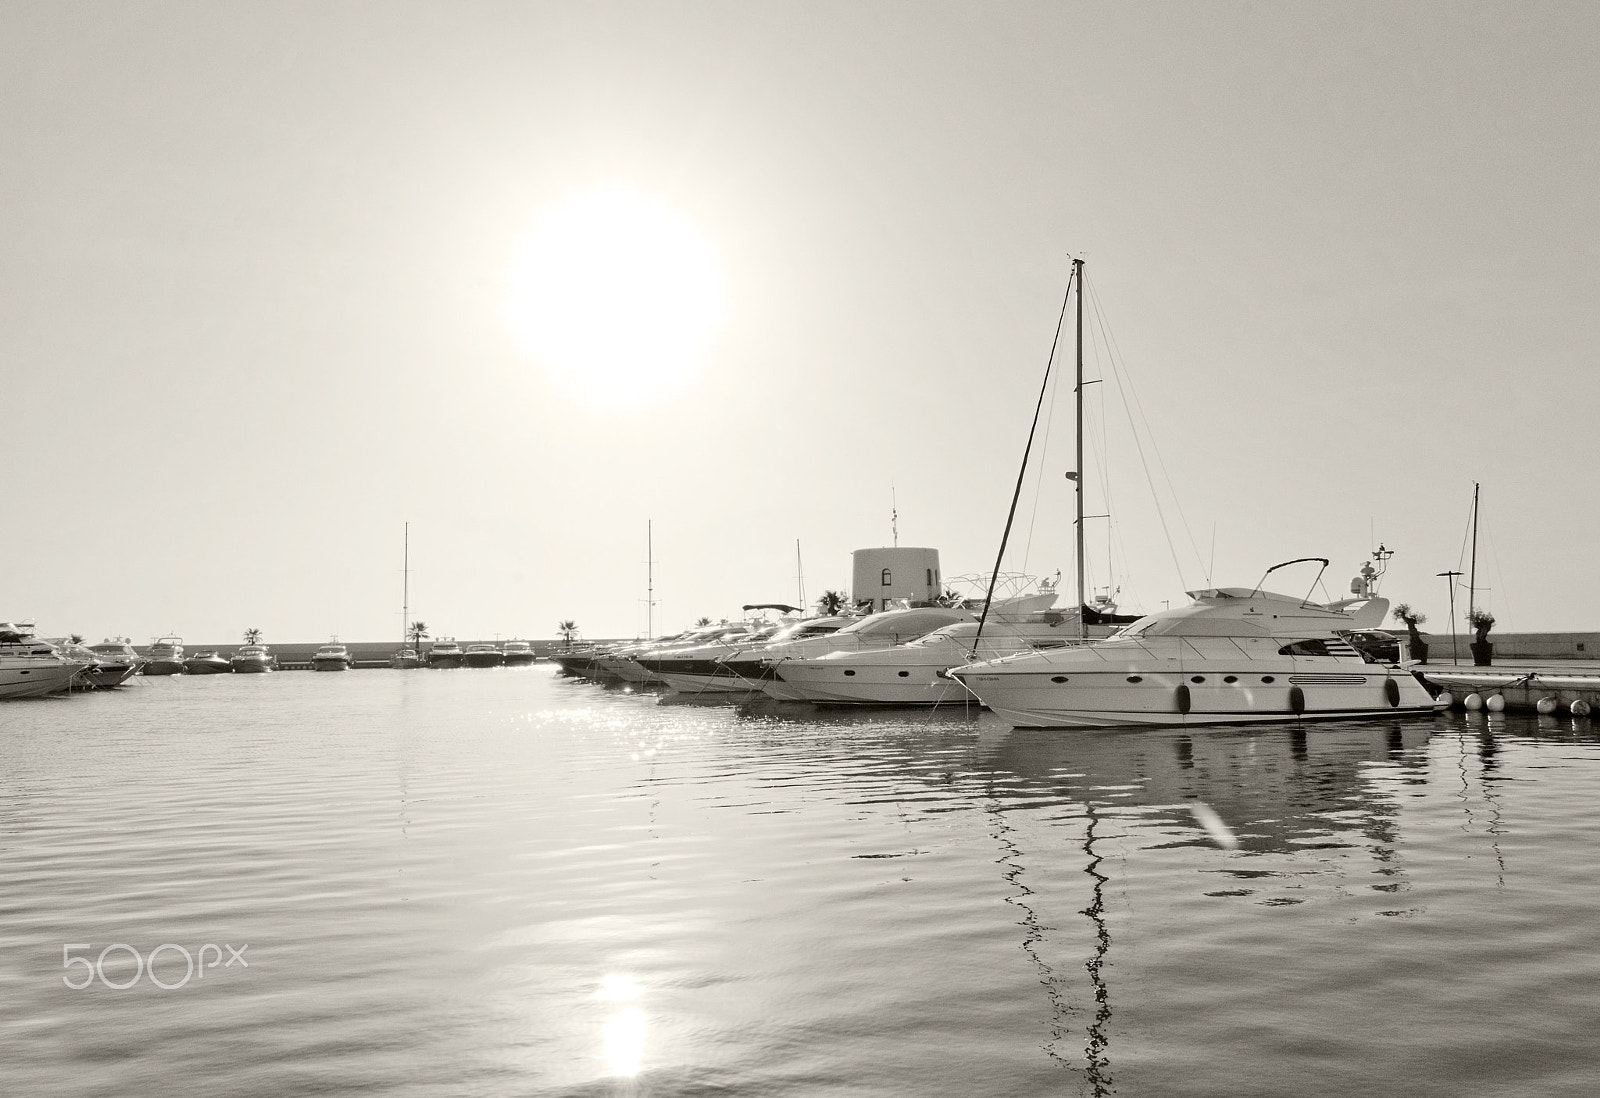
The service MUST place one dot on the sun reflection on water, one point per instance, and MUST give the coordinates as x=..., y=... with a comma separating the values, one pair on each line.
x=623, y=1032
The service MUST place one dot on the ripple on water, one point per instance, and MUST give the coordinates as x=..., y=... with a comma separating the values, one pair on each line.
x=503, y=882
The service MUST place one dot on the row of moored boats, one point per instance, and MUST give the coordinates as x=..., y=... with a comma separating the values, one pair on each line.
x=1233, y=655
x=32, y=667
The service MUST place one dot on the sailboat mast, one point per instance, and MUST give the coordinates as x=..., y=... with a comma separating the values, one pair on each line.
x=405, y=590
x=1472, y=574
x=799, y=574
x=650, y=580
x=1083, y=626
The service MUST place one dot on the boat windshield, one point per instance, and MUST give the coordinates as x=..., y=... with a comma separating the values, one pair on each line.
x=914, y=622
x=802, y=629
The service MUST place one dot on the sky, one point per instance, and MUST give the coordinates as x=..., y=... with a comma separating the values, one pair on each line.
x=259, y=299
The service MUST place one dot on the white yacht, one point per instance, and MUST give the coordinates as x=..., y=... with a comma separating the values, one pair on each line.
x=332, y=656
x=1235, y=655
x=699, y=670
x=445, y=652
x=164, y=657
x=766, y=667
x=113, y=662
x=518, y=653
x=253, y=659
x=31, y=668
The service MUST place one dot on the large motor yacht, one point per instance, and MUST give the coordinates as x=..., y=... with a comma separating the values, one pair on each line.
x=1234, y=655
x=519, y=653
x=482, y=655
x=766, y=667
x=164, y=657
x=332, y=656
x=31, y=668
x=253, y=659
x=444, y=653
x=700, y=670
x=114, y=663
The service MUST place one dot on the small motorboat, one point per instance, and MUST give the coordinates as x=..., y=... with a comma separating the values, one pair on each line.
x=518, y=653
x=164, y=657
x=332, y=656
x=206, y=662
x=405, y=659
x=483, y=655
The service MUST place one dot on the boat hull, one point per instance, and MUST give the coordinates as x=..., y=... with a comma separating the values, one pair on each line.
x=163, y=666
x=453, y=660
x=253, y=665
x=37, y=679
x=330, y=664
x=1064, y=697
x=482, y=659
x=207, y=667
x=519, y=659
x=107, y=676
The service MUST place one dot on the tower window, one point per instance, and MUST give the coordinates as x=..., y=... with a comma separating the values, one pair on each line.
x=888, y=580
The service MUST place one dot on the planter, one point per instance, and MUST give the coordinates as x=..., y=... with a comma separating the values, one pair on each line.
x=1419, y=651
x=1482, y=653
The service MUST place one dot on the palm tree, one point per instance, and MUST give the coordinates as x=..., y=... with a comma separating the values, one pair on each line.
x=252, y=636
x=417, y=633
x=832, y=602
x=568, y=630
x=702, y=621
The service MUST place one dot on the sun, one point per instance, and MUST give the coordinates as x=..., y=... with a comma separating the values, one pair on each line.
x=616, y=295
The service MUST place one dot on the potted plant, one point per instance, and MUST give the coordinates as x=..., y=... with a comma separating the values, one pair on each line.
x=1482, y=651
x=1417, y=646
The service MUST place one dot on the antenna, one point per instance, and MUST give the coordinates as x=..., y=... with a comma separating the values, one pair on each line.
x=894, y=515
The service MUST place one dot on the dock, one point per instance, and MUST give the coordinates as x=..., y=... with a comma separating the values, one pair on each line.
x=1531, y=686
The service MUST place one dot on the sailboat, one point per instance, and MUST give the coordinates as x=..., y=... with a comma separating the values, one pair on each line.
x=1235, y=655
x=407, y=656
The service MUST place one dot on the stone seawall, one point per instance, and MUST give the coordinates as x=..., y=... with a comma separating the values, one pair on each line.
x=1514, y=646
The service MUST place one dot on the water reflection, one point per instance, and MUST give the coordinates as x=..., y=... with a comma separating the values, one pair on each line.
x=623, y=1033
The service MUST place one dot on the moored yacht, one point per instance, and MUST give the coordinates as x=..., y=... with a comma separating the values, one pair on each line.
x=519, y=653
x=332, y=656
x=444, y=653
x=913, y=674
x=164, y=657
x=482, y=655
x=405, y=659
x=699, y=670
x=1234, y=655
x=31, y=668
x=206, y=662
x=766, y=667
x=114, y=663
x=253, y=659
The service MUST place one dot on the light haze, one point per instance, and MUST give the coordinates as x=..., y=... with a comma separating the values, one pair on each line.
x=256, y=258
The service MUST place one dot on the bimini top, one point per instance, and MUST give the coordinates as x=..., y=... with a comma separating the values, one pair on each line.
x=1242, y=612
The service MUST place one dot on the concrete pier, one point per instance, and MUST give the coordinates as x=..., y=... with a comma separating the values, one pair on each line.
x=1522, y=684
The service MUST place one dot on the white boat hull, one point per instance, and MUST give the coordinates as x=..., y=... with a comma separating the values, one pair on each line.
x=1108, y=699
x=36, y=679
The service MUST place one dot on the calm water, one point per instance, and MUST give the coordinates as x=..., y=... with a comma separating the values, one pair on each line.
x=506, y=883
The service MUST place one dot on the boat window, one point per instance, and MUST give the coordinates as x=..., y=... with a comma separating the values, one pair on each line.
x=1313, y=647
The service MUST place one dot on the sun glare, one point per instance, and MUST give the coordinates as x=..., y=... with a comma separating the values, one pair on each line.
x=616, y=295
